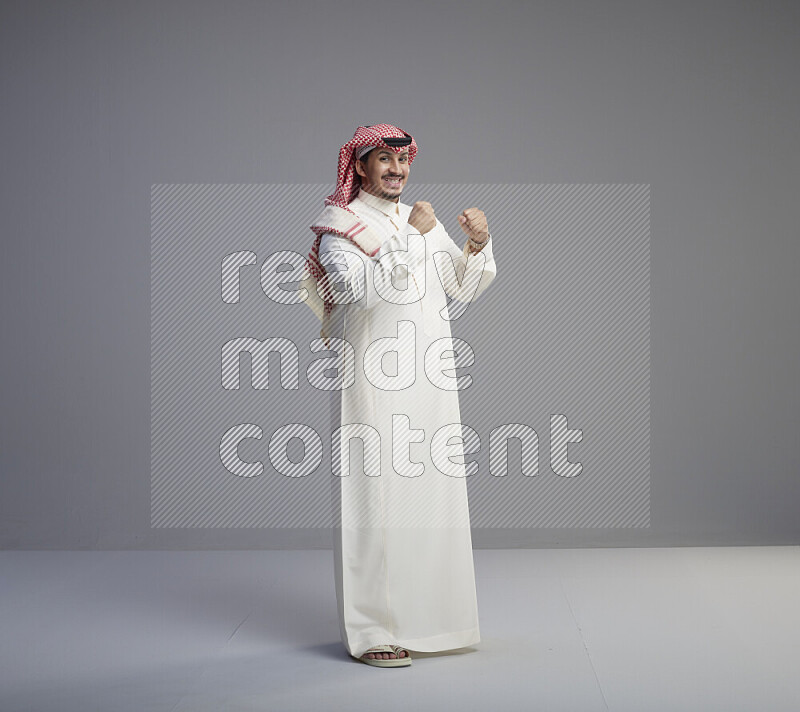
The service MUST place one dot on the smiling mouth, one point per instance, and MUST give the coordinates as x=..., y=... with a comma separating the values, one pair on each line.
x=393, y=182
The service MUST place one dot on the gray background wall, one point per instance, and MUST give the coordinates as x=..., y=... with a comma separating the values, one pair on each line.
x=101, y=100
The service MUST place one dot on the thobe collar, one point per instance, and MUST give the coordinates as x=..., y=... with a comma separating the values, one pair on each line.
x=387, y=207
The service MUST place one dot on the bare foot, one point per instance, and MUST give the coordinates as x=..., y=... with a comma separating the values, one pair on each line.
x=385, y=656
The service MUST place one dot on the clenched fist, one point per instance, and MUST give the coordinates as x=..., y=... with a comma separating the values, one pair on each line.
x=473, y=223
x=422, y=217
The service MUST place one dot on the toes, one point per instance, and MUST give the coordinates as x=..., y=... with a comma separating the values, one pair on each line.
x=386, y=656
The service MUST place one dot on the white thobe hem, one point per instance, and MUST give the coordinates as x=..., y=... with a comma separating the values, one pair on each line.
x=428, y=644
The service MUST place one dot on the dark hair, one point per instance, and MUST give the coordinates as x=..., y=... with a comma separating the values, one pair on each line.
x=365, y=157
x=363, y=160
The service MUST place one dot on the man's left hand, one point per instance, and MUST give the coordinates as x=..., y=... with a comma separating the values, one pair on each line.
x=473, y=223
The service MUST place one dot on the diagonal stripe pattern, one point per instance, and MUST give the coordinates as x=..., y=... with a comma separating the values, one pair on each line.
x=555, y=411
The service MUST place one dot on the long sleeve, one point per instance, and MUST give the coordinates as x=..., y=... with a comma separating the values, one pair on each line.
x=467, y=267
x=361, y=279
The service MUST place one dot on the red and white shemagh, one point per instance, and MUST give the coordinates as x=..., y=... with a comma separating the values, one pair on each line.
x=347, y=224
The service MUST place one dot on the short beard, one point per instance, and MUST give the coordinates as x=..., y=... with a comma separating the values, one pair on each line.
x=380, y=192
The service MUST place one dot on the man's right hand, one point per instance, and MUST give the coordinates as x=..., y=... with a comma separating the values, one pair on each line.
x=422, y=217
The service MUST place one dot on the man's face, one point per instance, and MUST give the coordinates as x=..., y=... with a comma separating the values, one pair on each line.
x=384, y=173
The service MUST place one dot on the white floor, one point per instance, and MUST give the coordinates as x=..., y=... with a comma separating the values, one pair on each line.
x=640, y=630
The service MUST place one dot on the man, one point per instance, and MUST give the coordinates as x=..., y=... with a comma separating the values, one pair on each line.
x=402, y=542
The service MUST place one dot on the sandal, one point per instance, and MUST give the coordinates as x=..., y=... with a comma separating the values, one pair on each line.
x=391, y=662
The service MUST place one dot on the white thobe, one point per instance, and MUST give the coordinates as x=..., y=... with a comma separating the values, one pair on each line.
x=403, y=561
